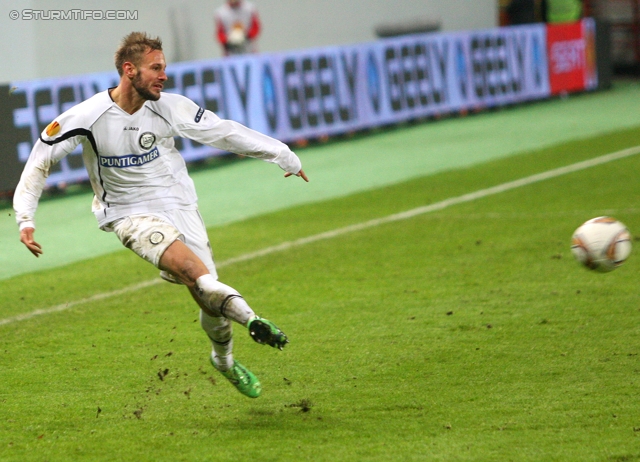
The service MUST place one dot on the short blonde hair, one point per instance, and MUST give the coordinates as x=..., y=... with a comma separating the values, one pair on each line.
x=133, y=46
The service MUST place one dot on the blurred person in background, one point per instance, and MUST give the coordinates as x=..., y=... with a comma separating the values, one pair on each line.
x=558, y=11
x=237, y=27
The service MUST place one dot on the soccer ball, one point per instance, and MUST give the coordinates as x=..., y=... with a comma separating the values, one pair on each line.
x=601, y=244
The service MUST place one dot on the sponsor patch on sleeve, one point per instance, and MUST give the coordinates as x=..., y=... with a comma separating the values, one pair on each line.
x=199, y=115
x=52, y=129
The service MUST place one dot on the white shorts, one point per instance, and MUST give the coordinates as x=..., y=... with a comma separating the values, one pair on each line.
x=149, y=235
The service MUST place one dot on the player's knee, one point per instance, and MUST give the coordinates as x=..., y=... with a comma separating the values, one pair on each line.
x=186, y=271
x=191, y=270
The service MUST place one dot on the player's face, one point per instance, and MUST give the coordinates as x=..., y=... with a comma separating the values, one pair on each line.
x=150, y=75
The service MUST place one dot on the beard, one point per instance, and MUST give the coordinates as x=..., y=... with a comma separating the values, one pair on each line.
x=145, y=93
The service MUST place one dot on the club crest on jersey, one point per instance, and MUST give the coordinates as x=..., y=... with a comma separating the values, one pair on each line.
x=147, y=139
x=156, y=238
x=52, y=129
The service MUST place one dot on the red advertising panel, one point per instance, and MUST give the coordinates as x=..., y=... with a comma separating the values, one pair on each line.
x=571, y=53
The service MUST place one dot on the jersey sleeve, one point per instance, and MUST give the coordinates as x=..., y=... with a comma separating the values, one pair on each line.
x=221, y=31
x=254, y=29
x=54, y=144
x=205, y=127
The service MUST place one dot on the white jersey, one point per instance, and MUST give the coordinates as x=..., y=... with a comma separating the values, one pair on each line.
x=238, y=27
x=241, y=16
x=131, y=159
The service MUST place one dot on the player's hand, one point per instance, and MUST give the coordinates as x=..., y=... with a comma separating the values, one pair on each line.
x=26, y=237
x=300, y=174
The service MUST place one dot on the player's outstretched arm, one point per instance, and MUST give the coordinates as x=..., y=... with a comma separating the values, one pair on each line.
x=26, y=237
x=301, y=174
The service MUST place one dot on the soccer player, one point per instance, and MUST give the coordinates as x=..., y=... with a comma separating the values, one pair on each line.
x=143, y=192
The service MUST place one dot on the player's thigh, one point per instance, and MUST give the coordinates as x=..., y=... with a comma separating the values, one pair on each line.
x=194, y=235
x=148, y=236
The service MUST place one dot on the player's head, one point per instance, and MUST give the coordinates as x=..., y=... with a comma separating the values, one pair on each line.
x=234, y=3
x=140, y=60
x=133, y=47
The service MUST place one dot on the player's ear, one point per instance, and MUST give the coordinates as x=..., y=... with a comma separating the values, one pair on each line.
x=129, y=69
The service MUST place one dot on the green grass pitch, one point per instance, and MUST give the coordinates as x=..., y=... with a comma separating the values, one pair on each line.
x=468, y=333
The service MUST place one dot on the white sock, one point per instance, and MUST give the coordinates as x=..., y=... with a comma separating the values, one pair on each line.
x=219, y=330
x=220, y=298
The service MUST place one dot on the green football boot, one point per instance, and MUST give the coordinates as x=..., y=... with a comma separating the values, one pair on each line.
x=243, y=379
x=266, y=332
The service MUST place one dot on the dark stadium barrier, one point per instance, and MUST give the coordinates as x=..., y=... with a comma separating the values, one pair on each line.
x=603, y=54
x=11, y=164
x=327, y=91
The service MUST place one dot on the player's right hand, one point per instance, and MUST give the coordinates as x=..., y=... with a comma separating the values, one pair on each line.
x=301, y=174
x=26, y=237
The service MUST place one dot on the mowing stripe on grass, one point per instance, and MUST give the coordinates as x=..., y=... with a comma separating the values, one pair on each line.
x=353, y=228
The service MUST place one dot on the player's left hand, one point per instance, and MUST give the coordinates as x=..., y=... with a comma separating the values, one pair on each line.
x=301, y=174
x=26, y=237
